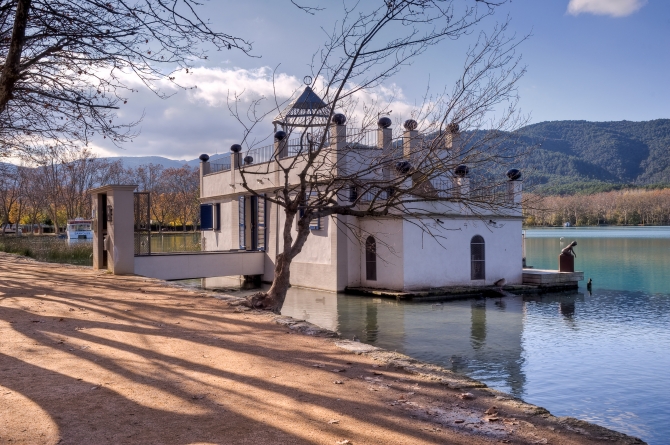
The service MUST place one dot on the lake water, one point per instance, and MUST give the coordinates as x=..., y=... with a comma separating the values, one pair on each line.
x=602, y=356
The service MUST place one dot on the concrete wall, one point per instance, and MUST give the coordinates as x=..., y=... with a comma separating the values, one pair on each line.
x=388, y=234
x=429, y=263
x=199, y=265
x=120, y=228
x=226, y=238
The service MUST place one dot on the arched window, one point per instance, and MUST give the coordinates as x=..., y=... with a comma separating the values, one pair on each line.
x=477, y=258
x=371, y=259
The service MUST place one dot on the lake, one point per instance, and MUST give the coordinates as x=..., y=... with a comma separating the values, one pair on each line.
x=603, y=356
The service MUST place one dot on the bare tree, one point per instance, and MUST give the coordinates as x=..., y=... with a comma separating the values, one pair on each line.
x=324, y=173
x=181, y=184
x=35, y=198
x=67, y=64
x=10, y=190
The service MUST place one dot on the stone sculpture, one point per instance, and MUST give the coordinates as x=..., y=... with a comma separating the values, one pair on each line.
x=568, y=250
x=566, y=260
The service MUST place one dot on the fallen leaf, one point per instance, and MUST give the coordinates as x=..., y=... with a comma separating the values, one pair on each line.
x=318, y=365
x=466, y=396
x=493, y=419
x=459, y=421
x=491, y=410
x=337, y=370
x=338, y=382
x=331, y=421
x=343, y=442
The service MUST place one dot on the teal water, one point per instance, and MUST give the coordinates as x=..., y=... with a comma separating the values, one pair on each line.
x=630, y=259
x=601, y=356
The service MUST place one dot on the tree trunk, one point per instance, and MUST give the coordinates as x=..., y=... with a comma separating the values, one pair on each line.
x=273, y=299
x=10, y=71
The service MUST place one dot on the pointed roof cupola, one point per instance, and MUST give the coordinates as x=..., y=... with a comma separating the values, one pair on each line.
x=308, y=110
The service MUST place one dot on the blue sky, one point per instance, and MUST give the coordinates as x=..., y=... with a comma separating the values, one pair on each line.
x=597, y=60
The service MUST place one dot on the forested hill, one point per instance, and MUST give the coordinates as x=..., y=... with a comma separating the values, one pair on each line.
x=573, y=156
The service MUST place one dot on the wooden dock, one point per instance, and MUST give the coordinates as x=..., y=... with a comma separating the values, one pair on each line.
x=552, y=278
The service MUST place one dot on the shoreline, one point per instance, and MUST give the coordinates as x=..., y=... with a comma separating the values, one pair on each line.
x=438, y=410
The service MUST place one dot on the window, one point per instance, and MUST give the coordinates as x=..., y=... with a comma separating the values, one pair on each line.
x=315, y=223
x=242, y=220
x=371, y=259
x=477, y=258
x=206, y=222
x=217, y=216
x=353, y=193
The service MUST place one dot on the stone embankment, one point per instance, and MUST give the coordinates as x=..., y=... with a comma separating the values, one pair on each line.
x=88, y=357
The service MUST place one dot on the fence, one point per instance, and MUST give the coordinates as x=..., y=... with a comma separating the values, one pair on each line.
x=362, y=139
x=219, y=167
x=261, y=154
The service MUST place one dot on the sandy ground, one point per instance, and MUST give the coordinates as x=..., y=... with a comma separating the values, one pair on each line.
x=90, y=358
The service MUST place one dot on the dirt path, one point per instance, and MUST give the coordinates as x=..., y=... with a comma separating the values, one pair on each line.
x=90, y=358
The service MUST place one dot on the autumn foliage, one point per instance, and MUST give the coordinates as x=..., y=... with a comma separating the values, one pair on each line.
x=628, y=207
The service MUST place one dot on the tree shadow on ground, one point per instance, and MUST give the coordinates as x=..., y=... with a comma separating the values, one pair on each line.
x=160, y=365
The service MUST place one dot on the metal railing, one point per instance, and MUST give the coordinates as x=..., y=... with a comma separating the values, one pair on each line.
x=374, y=194
x=300, y=145
x=362, y=139
x=261, y=154
x=215, y=167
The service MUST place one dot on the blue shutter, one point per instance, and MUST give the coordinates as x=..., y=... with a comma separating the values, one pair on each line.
x=261, y=230
x=242, y=220
x=206, y=220
x=315, y=223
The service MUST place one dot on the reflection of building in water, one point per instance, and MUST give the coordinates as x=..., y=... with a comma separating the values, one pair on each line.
x=373, y=320
x=481, y=338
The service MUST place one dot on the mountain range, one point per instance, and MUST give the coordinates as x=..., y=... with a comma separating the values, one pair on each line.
x=582, y=156
x=566, y=157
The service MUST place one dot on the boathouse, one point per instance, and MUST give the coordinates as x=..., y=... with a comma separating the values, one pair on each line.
x=452, y=245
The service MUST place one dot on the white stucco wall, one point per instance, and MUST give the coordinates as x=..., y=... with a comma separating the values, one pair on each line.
x=199, y=265
x=226, y=238
x=388, y=235
x=429, y=263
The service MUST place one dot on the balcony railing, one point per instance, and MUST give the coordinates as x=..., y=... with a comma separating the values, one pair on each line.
x=261, y=154
x=215, y=167
x=362, y=139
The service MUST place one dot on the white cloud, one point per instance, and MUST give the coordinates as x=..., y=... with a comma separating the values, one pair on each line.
x=197, y=120
x=614, y=8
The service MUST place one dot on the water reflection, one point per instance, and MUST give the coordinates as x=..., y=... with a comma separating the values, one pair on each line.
x=599, y=355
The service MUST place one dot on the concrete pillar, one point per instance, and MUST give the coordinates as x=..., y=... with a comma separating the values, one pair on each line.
x=281, y=148
x=235, y=160
x=514, y=189
x=337, y=149
x=384, y=138
x=117, y=203
x=410, y=142
x=463, y=185
x=205, y=168
x=452, y=142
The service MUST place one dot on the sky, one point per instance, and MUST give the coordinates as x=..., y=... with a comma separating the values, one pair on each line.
x=597, y=60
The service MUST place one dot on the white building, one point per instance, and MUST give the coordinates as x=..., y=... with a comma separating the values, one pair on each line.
x=343, y=252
